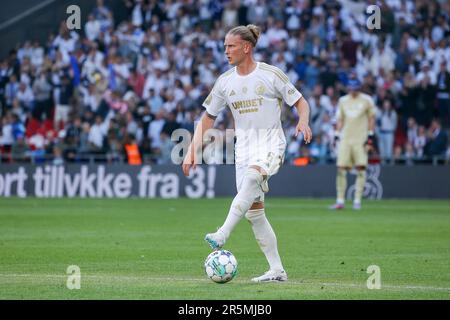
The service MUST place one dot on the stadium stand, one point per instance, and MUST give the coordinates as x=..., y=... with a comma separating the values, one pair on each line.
x=94, y=95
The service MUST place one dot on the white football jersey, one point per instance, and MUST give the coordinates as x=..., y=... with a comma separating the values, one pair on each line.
x=255, y=101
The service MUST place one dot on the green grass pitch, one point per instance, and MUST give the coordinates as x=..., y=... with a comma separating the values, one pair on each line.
x=154, y=249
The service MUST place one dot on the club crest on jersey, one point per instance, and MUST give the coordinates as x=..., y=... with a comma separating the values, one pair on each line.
x=260, y=89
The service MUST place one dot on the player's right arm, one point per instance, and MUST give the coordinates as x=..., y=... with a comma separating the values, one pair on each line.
x=339, y=122
x=371, y=110
x=303, y=122
x=206, y=122
x=339, y=125
x=214, y=104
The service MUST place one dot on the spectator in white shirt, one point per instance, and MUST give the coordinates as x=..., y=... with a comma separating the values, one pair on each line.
x=155, y=128
x=97, y=134
x=25, y=96
x=92, y=28
x=11, y=90
x=277, y=33
x=7, y=138
x=387, y=125
x=420, y=141
x=426, y=71
x=412, y=130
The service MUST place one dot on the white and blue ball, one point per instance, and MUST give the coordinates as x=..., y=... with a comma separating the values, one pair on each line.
x=221, y=266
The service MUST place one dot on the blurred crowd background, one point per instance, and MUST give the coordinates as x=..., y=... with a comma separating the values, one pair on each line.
x=116, y=90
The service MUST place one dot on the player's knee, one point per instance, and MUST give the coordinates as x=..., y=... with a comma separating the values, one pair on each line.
x=249, y=192
x=253, y=215
x=253, y=180
x=361, y=173
x=253, y=176
x=342, y=172
x=260, y=170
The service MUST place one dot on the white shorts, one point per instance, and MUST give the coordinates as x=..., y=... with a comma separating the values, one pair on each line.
x=270, y=163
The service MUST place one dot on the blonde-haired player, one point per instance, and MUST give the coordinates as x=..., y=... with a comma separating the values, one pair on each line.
x=254, y=92
x=355, y=131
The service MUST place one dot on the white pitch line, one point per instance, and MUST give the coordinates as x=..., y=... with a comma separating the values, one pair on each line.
x=295, y=282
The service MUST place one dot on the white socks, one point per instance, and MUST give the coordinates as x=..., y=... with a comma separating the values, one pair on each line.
x=251, y=187
x=265, y=236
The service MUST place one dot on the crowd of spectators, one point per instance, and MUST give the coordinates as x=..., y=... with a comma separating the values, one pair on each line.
x=116, y=84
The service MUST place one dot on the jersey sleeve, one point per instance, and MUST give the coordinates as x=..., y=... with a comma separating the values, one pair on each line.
x=371, y=109
x=215, y=102
x=340, y=112
x=285, y=88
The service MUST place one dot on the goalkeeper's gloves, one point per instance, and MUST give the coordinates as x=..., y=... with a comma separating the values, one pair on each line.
x=370, y=139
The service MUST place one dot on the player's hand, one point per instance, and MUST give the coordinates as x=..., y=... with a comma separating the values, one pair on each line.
x=305, y=130
x=336, y=139
x=189, y=162
x=370, y=139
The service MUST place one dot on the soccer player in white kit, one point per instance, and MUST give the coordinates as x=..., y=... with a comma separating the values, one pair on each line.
x=254, y=91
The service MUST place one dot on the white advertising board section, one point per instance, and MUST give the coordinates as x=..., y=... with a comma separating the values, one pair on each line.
x=123, y=181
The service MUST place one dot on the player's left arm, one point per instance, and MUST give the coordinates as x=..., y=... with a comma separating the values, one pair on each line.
x=293, y=97
x=303, y=110
x=371, y=125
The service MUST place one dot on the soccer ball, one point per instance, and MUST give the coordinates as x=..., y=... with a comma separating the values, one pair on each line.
x=221, y=266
